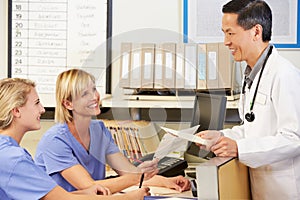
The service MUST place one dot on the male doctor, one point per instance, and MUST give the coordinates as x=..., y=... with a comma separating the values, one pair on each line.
x=268, y=141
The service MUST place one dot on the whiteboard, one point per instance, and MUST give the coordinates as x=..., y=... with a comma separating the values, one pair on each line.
x=47, y=37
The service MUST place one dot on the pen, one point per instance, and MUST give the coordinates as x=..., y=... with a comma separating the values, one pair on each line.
x=142, y=179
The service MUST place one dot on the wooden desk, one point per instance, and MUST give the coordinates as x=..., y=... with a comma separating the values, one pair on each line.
x=217, y=179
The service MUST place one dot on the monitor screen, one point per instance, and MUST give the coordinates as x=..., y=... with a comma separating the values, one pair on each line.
x=209, y=112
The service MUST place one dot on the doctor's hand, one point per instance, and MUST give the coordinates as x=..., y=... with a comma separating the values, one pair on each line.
x=211, y=136
x=149, y=167
x=225, y=147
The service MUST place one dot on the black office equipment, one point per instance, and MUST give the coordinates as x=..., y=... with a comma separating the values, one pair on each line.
x=168, y=166
x=209, y=111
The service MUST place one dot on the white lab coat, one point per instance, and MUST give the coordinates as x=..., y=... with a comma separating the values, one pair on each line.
x=270, y=145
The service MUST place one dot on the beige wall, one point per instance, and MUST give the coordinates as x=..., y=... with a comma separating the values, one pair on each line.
x=31, y=139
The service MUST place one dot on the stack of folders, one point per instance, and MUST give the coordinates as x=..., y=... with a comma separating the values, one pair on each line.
x=175, y=66
x=134, y=138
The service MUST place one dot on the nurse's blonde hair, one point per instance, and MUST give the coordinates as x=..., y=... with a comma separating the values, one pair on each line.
x=69, y=84
x=13, y=94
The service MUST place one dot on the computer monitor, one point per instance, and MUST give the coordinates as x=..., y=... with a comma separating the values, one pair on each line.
x=209, y=112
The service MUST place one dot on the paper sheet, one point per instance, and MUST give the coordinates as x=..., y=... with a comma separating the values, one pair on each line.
x=176, y=139
x=187, y=134
x=163, y=193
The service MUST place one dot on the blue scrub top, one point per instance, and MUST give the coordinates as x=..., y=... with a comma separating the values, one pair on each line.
x=58, y=150
x=20, y=178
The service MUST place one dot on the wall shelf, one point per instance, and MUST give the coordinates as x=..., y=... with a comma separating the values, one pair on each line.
x=145, y=101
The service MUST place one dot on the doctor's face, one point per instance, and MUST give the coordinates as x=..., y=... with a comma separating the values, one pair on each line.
x=236, y=38
x=87, y=102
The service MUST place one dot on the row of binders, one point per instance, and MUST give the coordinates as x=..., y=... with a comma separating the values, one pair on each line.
x=175, y=66
x=134, y=138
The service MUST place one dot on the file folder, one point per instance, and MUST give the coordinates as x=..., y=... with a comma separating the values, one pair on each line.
x=147, y=68
x=169, y=70
x=135, y=139
x=212, y=66
x=225, y=67
x=179, y=80
x=125, y=64
x=136, y=63
x=190, y=50
x=158, y=70
x=201, y=62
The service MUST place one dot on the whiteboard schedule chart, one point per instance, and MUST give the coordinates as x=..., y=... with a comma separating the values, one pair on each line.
x=51, y=36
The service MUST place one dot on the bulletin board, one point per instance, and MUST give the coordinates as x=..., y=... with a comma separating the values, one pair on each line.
x=202, y=22
x=47, y=37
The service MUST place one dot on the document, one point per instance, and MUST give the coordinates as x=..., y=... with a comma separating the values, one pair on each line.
x=176, y=140
x=187, y=134
x=163, y=193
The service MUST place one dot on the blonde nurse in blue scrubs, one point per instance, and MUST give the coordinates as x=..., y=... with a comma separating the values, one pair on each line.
x=75, y=151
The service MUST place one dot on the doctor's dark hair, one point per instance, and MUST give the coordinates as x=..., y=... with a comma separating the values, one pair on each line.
x=69, y=84
x=13, y=94
x=250, y=13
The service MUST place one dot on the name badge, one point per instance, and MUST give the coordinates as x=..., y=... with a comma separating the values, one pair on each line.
x=261, y=98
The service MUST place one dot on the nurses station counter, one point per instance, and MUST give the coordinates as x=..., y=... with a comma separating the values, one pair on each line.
x=222, y=178
x=217, y=179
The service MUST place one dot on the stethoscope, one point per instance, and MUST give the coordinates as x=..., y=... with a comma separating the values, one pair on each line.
x=250, y=116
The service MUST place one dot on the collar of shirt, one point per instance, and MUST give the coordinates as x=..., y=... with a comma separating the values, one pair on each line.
x=5, y=139
x=249, y=73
